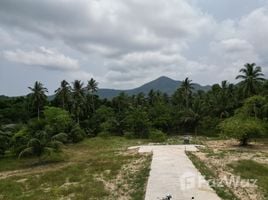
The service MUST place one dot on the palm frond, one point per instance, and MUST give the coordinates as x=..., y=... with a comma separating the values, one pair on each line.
x=28, y=150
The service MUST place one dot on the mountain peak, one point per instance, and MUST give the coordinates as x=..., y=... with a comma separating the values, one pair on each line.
x=161, y=78
x=162, y=83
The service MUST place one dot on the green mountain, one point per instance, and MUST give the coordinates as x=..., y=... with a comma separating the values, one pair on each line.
x=163, y=84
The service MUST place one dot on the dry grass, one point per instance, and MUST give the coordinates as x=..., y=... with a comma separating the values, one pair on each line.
x=220, y=155
x=94, y=169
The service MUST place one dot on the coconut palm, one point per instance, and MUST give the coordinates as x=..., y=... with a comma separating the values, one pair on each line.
x=41, y=143
x=251, y=78
x=63, y=93
x=187, y=88
x=92, y=87
x=151, y=97
x=78, y=95
x=38, y=96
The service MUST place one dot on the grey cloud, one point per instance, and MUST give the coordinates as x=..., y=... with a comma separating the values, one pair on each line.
x=42, y=57
x=125, y=43
x=123, y=26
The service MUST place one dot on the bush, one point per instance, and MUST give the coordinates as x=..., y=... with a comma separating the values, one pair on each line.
x=35, y=125
x=138, y=122
x=61, y=137
x=20, y=140
x=4, y=141
x=77, y=134
x=104, y=134
x=129, y=135
x=157, y=136
x=41, y=144
x=58, y=119
x=242, y=129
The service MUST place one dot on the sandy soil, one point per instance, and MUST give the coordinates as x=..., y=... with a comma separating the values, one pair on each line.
x=218, y=154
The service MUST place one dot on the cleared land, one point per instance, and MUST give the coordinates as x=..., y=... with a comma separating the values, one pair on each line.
x=225, y=160
x=94, y=169
x=104, y=168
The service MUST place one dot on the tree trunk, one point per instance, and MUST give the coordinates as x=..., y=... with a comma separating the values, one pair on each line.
x=38, y=112
x=63, y=104
x=93, y=106
x=244, y=141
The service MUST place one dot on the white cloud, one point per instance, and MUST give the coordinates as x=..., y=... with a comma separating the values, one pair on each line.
x=125, y=43
x=103, y=26
x=254, y=28
x=42, y=57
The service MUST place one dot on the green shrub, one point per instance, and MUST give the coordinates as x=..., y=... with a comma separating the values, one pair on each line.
x=76, y=134
x=58, y=119
x=104, y=134
x=61, y=137
x=35, y=125
x=242, y=129
x=41, y=144
x=4, y=141
x=157, y=136
x=138, y=122
x=129, y=135
x=19, y=140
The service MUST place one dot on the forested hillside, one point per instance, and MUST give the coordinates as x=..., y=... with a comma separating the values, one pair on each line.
x=163, y=84
x=32, y=125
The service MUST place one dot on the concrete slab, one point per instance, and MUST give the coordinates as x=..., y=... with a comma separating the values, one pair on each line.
x=173, y=173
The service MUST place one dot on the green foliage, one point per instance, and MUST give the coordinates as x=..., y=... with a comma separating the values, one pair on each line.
x=35, y=125
x=251, y=79
x=41, y=143
x=76, y=134
x=104, y=134
x=5, y=140
x=242, y=129
x=63, y=94
x=209, y=125
x=157, y=136
x=255, y=106
x=129, y=135
x=59, y=119
x=138, y=122
x=160, y=116
x=38, y=96
x=14, y=110
x=20, y=140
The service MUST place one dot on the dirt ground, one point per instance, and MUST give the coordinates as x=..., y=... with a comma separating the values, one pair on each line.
x=219, y=153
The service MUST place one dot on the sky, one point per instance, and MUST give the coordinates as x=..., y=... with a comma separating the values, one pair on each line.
x=126, y=43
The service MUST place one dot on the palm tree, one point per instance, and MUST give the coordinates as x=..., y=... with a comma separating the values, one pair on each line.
x=78, y=98
x=252, y=77
x=38, y=96
x=41, y=143
x=92, y=87
x=151, y=97
x=187, y=88
x=63, y=93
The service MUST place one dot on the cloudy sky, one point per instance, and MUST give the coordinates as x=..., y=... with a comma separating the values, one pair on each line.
x=125, y=43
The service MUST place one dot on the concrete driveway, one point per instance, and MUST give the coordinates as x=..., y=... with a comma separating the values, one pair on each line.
x=173, y=173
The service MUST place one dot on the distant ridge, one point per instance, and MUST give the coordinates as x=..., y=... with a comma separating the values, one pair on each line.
x=163, y=84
